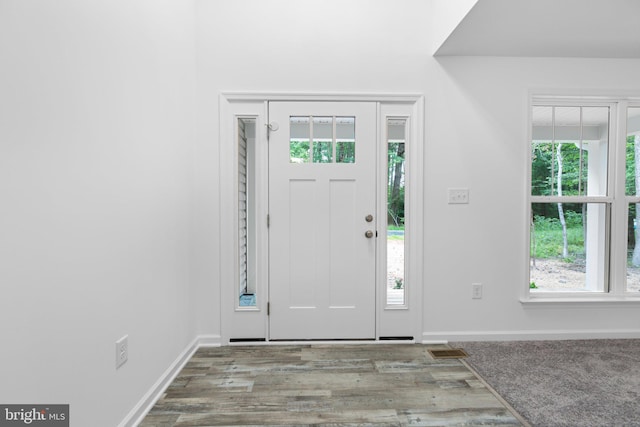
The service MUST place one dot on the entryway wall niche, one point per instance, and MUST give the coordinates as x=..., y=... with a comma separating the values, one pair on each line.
x=245, y=205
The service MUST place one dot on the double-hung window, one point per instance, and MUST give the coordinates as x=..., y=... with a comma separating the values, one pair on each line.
x=584, y=205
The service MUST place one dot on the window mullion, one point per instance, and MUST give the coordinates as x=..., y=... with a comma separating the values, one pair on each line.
x=619, y=209
x=580, y=161
x=553, y=147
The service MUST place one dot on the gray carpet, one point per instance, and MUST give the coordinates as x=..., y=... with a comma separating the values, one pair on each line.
x=564, y=383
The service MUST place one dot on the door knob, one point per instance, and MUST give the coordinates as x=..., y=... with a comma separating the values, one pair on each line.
x=368, y=218
x=368, y=234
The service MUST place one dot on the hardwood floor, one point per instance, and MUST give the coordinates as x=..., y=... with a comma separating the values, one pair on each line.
x=326, y=385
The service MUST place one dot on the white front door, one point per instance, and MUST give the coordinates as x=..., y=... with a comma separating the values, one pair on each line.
x=322, y=232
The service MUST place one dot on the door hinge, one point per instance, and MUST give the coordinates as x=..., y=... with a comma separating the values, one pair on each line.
x=268, y=308
x=268, y=221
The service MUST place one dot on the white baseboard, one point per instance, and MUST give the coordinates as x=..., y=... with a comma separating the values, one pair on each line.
x=209, y=341
x=429, y=337
x=150, y=398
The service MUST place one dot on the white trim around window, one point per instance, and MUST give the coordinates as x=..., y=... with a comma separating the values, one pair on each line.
x=568, y=137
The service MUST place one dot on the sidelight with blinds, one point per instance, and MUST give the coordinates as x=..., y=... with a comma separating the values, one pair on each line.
x=246, y=246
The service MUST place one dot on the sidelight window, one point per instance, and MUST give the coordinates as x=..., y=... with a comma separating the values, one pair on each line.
x=246, y=132
x=396, y=149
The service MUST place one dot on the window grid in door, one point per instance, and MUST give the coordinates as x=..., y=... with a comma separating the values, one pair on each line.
x=322, y=139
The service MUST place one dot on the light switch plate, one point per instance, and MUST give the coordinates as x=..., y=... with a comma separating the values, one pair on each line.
x=122, y=351
x=458, y=196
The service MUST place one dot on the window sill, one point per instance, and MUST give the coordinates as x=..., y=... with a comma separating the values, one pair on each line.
x=582, y=299
x=396, y=307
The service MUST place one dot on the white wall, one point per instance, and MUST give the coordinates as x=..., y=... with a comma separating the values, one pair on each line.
x=96, y=145
x=285, y=45
x=476, y=137
x=109, y=227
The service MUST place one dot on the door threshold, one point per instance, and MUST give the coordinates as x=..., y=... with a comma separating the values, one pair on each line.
x=365, y=341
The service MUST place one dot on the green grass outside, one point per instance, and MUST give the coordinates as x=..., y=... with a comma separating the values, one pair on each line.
x=395, y=228
x=547, y=241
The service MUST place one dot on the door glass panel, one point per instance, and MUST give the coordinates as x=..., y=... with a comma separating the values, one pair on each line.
x=395, y=211
x=345, y=152
x=246, y=212
x=299, y=137
x=345, y=139
x=322, y=139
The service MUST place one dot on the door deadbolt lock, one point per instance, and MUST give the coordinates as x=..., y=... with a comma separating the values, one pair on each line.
x=368, y=234
x=368, y=218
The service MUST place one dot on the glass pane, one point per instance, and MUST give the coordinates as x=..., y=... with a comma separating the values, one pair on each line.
x=569, y=151
x=299, y=137
x=595, y=142
x=395, y=211
x=246, y=213
x=633, y=152
x=566, y=133
x=322, y=152
x=345, y=139
x=322, y=139
x=542, y=159
x=568, y=247
x=572, y=171
x=633, y=248
x=345, y=152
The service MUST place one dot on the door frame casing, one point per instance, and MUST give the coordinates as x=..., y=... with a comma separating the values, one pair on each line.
x=252, y=322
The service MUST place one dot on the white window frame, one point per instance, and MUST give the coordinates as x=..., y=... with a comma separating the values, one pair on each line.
x=615, y=198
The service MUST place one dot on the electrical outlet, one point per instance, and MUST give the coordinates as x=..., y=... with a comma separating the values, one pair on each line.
x=476, y=290
x=122, y=351
x=458, y=196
